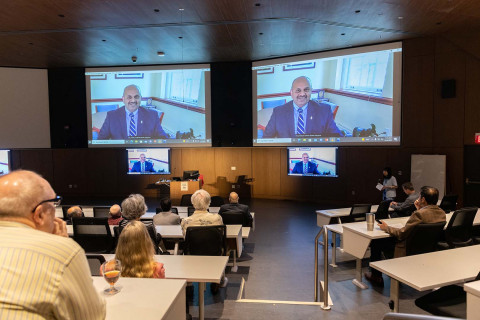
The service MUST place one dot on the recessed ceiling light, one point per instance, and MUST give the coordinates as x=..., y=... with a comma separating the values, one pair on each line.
x=181, y=9
x=400, y=18
x=161, y=54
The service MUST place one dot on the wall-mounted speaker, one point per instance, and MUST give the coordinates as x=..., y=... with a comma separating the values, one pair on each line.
x=449, y=88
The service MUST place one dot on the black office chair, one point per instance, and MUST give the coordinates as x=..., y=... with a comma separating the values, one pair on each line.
x=186, y=200
x=382, y=211
x=94, y=262
x=173, y=210
x=448, y=301
x=93, y=234
x=230, y=217
x=65, y=214
x=190, y=210
x=206, y=241
x=217, y=201
x=424, y=238
x=449, y=203
x=458, y=232
x=357, y=213
x=101, y=212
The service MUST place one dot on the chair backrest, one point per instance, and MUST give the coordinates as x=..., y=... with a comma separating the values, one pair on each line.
x=93, y=234
x=65, y=214
x=423, y=238
x=459, y=228
x=190, y=210
x=408, y=212
x=217, y=201
x=357, y=213
x=173, y=210
x=231, y=217
x=206, y=241
x=94, y=262
x=186, y=200
x=382, y=211
x=101, y=212
x=449, y=202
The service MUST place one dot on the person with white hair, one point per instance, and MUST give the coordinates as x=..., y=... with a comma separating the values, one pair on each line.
x=45, y=275
x=201, y=217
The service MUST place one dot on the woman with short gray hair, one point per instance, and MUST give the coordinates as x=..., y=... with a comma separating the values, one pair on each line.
x=133, y=208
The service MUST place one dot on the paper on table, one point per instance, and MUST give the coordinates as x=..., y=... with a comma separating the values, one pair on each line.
x=379, y=186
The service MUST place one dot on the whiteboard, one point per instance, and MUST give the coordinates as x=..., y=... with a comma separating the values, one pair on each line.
x=429, y=170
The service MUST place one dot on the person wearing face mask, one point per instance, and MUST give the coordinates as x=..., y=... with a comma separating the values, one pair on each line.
x=301, y=116
x=132, y=120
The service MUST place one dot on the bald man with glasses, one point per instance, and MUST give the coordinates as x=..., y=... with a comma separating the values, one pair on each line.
x=45, y=275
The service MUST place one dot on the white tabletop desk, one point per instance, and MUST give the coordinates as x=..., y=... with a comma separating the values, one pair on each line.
x=473, y=299
x=430, y=270
x=144, y=298
x=328, y=216
x=356, y=239
x=201, y=269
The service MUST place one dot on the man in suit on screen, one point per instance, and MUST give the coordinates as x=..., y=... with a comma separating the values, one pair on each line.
x=301, y=116
x=305, y=166
x=132, y=120
x=142, y=165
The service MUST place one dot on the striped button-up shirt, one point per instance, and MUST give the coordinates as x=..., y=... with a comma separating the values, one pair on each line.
x=44, y=276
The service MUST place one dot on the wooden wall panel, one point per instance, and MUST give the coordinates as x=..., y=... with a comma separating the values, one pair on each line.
x=266, y=170
x=472, y=98
x=202, y=159
x=225, y=159
x=102, y=167
x=36, y=160
x=70, y=171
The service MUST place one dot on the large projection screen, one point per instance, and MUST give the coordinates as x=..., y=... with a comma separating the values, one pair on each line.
x=348, y=97
x=149, y=106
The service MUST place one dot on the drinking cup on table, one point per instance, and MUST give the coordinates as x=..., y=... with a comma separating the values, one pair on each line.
x=370, y=221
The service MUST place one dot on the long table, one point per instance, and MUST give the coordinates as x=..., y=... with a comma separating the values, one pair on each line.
x=430, y=270
x=201, y=269
x=473, y=299
x=160, y=299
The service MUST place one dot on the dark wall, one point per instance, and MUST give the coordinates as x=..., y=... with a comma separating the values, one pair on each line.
x=231, y=104
x=68, y=117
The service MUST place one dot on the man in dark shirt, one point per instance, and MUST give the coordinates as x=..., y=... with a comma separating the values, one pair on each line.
x=234, y=206
x=405, y=208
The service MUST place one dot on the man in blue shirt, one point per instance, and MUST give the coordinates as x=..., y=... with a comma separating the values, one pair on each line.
x=301, y=116
x=142, y=165
x=305, y=166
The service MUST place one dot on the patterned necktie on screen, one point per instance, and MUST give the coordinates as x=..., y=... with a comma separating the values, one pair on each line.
x=305, y=168
x=143, y=167
x=300, y=122
x=132, y=132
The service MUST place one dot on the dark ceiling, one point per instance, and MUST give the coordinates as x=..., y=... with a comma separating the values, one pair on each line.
x=63, y=33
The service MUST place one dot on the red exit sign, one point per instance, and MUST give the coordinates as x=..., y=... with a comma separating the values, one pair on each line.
x=477, y=138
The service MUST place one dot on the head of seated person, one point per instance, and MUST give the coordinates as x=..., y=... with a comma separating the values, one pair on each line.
x=429, y=194
x=134, y=207
x=201, y=200
x=115, y=212
x=75, y=212
x=166, y=205
x=136, y=253
x=233, y=197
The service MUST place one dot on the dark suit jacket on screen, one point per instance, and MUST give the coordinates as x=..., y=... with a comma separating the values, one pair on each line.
x=319, y=121
x=115, y=125
x=137, y=167
x=312, y=168
x=240, y=208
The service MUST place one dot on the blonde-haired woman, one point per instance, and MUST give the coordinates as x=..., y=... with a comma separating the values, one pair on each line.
x=135, y=251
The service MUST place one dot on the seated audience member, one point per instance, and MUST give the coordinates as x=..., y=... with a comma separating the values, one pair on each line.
x=44, y=274
x=427, y=212
x=201, y=217
x=166, y=217
x=133, y=208
x=74, y=212
x=401, y=208
x=115, y=215
x=135, y=251
x=234, y=206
